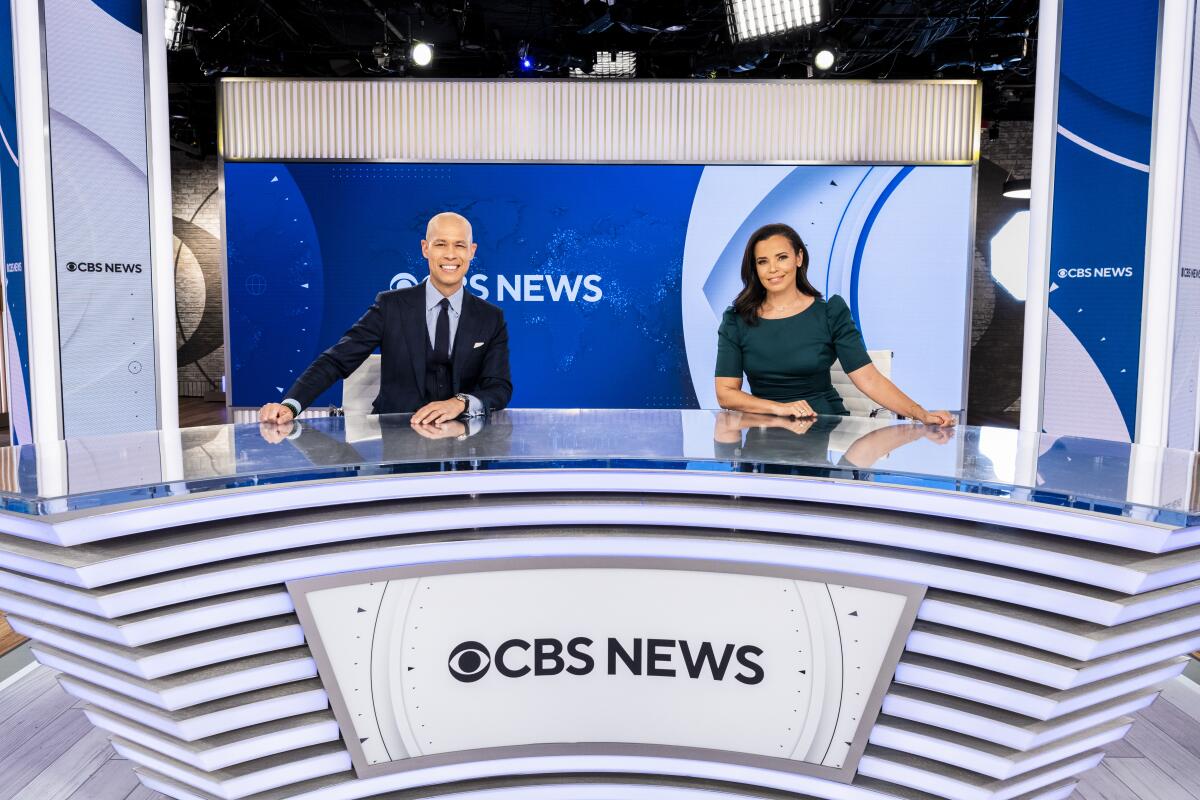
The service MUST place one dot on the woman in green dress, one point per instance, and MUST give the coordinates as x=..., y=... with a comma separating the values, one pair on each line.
x=784, y=337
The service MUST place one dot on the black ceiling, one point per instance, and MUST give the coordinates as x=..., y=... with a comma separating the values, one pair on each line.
x=993, y=40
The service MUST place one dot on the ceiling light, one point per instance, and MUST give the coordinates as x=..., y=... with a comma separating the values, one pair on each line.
x=824, y=59
x=176, y=19
x=422, y=54
x=1018, y=188
x=754, y=19
x=620, y=64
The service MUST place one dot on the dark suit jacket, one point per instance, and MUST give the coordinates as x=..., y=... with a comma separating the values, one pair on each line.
x=396, y=324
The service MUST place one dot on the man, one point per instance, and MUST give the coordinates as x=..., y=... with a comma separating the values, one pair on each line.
x=445, y=351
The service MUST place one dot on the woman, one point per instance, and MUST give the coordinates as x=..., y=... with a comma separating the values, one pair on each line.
x=784, y=337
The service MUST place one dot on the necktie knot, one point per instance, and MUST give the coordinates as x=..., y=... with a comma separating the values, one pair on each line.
x=444, y=303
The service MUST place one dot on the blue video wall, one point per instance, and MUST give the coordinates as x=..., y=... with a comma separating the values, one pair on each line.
x=612, y=278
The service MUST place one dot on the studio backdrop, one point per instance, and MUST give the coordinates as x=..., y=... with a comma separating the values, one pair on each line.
x=612, y=276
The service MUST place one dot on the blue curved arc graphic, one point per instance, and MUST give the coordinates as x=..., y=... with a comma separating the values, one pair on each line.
x=866, y=232
x=837, y=231
x=126, y=12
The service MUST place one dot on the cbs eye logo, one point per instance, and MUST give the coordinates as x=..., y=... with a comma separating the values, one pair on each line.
x=469, y=662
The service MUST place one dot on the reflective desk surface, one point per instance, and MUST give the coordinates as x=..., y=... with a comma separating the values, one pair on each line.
x=1059, y=577
x=1153, y=485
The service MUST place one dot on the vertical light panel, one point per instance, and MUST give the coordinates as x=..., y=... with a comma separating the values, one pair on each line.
x=1183, y=421
x=16, y=334
x=1099, y=217
x=95, y=76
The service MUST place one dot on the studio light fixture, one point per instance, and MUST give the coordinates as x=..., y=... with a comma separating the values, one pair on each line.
x=422, y=54
x=619, y=64
x=176, y=19
x=755, y=19
x=824, y=59
x=1018, y=188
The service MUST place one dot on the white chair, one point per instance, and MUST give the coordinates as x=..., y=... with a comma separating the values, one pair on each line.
x=857, y=403
x=359, y=390
x=361, y=387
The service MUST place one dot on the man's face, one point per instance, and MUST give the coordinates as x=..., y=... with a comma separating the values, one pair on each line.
x=449, y=254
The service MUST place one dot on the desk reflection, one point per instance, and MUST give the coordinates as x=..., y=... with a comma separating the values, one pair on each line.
x=765, y=438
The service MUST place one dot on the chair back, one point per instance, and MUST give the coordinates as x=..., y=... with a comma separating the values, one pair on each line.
x=361, y=387
x=857, y=403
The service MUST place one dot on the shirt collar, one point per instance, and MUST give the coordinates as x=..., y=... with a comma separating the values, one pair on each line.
x=433, y=297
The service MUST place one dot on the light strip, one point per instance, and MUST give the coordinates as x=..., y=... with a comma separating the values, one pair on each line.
x=999, y=765
x=1135, y=535
x=183, y=695
x=310, y=729
x=1084, y=646
x=1060, y=598
x=238, y=782
x=156, y=662
x=1050, y=705
x=1120, y=573
x=952, y=786
x=273, y=705
x=987, y=724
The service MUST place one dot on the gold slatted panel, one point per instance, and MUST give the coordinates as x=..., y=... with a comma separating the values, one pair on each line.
x=910, y=122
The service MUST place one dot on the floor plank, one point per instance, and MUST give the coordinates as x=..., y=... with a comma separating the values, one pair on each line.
x=1175, y=723
x=1147, y=779
x=20, y=694
x=140, y=792
x=38, y=752
x=1102, y=784
x=68, y=772
x=115, y=780
x=37, y=717
x=1170, y=756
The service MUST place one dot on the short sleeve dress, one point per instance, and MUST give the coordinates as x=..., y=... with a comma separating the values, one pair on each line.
x=788, y=359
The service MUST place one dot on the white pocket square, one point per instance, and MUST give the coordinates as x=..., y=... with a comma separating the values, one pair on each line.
x=478, y=344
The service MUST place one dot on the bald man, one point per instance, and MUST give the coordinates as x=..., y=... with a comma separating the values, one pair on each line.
x=445, y=352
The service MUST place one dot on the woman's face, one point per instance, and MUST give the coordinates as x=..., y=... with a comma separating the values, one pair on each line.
x=777, y=263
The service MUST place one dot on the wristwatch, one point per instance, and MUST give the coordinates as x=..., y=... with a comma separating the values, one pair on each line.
x=466, y=401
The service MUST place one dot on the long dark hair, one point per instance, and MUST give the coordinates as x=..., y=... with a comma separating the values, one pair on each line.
x=753, y=293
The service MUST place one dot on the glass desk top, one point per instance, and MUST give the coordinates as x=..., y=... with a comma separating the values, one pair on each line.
x=1138, y=482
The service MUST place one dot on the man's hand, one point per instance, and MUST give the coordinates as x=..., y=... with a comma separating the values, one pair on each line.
x=439, y=411
x=276, y=413
x=454, y=429
x=275, y=433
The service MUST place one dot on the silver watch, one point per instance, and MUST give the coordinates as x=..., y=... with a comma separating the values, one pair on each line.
x=466, y=401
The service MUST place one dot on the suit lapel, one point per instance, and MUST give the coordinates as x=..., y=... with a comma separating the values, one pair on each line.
x=464, y=337
x=416, y=334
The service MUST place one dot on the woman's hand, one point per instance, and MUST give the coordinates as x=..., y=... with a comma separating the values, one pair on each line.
x=800, y=409
x=939, y=418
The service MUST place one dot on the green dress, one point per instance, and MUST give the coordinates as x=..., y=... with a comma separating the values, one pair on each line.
x=788, y=359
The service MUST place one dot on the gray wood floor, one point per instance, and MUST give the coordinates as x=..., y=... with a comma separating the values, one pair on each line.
x=49, y=751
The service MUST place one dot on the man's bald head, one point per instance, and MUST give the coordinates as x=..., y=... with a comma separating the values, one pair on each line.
x=449, y=248
x=447, y=219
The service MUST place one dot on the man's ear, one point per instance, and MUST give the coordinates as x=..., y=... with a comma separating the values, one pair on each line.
x=474, y=247
x=425, y=248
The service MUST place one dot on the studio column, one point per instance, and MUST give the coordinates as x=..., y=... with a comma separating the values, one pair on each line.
x=85, y=178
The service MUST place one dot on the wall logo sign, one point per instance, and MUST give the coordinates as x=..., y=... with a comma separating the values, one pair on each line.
x=654, y=669
x=660, y=658
x=1095, y=272
x=116, y=267
x=521, y=288
x=404, y=280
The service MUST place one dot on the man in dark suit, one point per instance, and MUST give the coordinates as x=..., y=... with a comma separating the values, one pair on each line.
x=444, y=351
